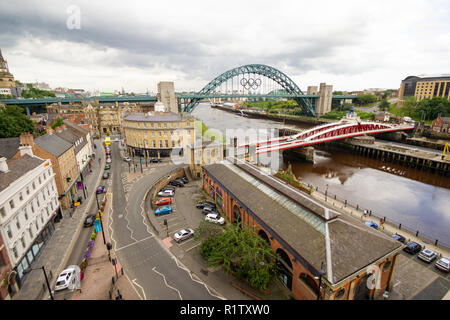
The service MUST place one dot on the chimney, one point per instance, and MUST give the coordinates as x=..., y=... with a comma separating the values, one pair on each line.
x=26, y=139
x=49, y=129
x=3, y=165
x=26, y=150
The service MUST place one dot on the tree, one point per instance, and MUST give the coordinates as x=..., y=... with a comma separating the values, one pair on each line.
x=14, y=122
x=57, y=123
x=431, y=108
x=366, y=98
x=241, y=251
x=384, y=105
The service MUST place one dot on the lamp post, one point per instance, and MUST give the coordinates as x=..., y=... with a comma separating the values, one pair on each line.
x=319, y=277
x=46, y=279
x=101, y=224
x=326, y=193
x=96, y=198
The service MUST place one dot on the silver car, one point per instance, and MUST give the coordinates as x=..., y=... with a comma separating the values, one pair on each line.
x=183, y=235
x=427, y=255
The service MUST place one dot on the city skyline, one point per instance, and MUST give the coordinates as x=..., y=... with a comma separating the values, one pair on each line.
x=351, y=45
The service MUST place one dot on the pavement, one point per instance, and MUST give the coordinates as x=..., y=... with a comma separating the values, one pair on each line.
x=56, y=252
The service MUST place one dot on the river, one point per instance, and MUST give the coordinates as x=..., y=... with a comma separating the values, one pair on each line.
x=417, y=199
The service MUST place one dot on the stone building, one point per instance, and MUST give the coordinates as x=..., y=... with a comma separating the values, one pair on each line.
x=166, y=95
x=157, y=134
x=322, y=254
x=29, y=208
x=6, y=78
x=323, y=103
x=64, y=162
x=424, y=88
x=206, y=152
x=441, y=124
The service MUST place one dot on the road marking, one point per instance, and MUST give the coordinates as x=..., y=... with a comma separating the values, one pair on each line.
x=135, y=282
x=192, y=247
x=128, y=245
x=186, y=241
x=167, y=285
x=398, y=282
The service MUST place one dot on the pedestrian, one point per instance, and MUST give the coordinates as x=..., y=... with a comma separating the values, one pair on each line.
x=381, y=221
x=99, y=160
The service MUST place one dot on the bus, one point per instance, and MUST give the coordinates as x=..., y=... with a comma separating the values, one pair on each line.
x=107, y=141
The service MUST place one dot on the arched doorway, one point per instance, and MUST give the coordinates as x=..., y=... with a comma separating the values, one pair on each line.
x=362, y=290
x=237, y=215
x=263, y=235
x=284, y=266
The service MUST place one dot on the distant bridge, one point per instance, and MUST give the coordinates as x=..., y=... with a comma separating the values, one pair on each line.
x=349, y=126
x=188, y=101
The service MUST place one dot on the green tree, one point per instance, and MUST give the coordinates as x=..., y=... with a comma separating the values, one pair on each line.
x=14, y=122
x=366, y=98
x=57, y=123
x=431, y=108
x=241, y=251
x=384, y=105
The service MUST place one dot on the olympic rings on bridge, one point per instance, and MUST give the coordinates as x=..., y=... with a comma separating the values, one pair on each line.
x=250, y=83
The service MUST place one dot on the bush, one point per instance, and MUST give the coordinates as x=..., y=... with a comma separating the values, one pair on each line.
x=93, y=236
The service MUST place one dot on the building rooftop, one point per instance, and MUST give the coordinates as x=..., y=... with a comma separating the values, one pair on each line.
x=53, y=144
x=154, y=116
x=17, y=168
x=343, y=247
x=72, y=138
x=9, y=147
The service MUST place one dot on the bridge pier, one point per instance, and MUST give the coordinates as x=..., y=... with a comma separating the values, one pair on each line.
x=305, y=153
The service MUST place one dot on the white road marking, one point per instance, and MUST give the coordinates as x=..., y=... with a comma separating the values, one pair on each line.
x=192, y=247
x=167, y=285
x=128, y=245
x=135, y=282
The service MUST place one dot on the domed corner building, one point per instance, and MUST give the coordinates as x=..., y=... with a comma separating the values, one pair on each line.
x=158, y=133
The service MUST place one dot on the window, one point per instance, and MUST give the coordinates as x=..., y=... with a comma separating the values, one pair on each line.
x=45, y=176
x=15, y=252
x=17, y=223
x=32, y=207
x=340, y=294
x=25, y=213
x=23, y=242
x=34, y=186
x=20, y=196
x=2, y=211
x=28, y=190
x=30, y=231
x=39, y=180
x=387, y=265
x=8, y=231
x=11, y=204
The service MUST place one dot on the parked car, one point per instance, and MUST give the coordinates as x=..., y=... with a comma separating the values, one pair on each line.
x=412, y=247
x=207, y=210
x=163, y=201
x=443, y=264
x=215, y=217
x=176, y=183
x=166, y=193
x=183, y=235
x=168, y=188
x=108, y=152
x=427, y=255
x=89, y=221
x=163, y=210
x=183, y=179
x=65, y=278
x=371, y=224
x=100, y=189
x=127, y=159
x=399, y=238
x=80, y=200
x=107, y=167
x=202, y=204
x=108, y=160
x=105, y=175
x=155, y=160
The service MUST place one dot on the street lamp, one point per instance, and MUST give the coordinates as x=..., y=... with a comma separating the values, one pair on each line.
x=96, y=198
x=319, y=277
x=46, y=279
x=326, y=193
x=101, y=224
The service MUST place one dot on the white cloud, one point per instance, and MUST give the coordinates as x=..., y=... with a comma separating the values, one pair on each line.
x=350, y=44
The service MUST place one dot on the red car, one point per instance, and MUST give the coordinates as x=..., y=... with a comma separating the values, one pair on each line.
x=163, y=201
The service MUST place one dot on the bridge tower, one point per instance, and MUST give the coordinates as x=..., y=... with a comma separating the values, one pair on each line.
x=323, y=104
x=166, y=95
x=6, y=78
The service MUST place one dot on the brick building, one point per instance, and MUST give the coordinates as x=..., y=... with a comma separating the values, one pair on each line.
x=441, y=124
x=309, y=238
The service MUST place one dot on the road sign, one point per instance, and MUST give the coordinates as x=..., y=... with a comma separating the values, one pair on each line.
x=97, y=225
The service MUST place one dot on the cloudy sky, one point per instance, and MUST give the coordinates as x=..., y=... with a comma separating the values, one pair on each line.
x=108, y=45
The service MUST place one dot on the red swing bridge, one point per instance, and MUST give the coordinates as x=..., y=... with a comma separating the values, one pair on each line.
x=348, y=126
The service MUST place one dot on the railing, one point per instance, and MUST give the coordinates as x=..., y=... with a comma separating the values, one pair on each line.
x=426, y=238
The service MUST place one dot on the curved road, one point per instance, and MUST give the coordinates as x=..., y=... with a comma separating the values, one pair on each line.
x=153, y=270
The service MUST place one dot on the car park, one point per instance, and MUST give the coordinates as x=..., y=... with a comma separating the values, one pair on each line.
x=427, y=255
x=412, y=247
x=371, y=224
x=443, y=264
x=399, y=238
x=107, y=167
x=163, y=201
x=89, y=221
x=215, y=217
x=207, y=210
x=166, y=193
x=155, y=160
x=65, y=278
x=100, y=189
x=176, y=183
x=127, y=159
x=183, y=235
x=163, y=210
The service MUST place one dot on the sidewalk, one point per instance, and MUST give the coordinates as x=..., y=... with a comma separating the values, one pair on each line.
x=97, y=283
x=56, y=252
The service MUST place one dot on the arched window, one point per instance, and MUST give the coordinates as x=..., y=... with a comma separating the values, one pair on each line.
x=284, y=266
x=340, y=294
x=309, y=282
x=263, y=235
x=237, y=219
x=386, y=266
